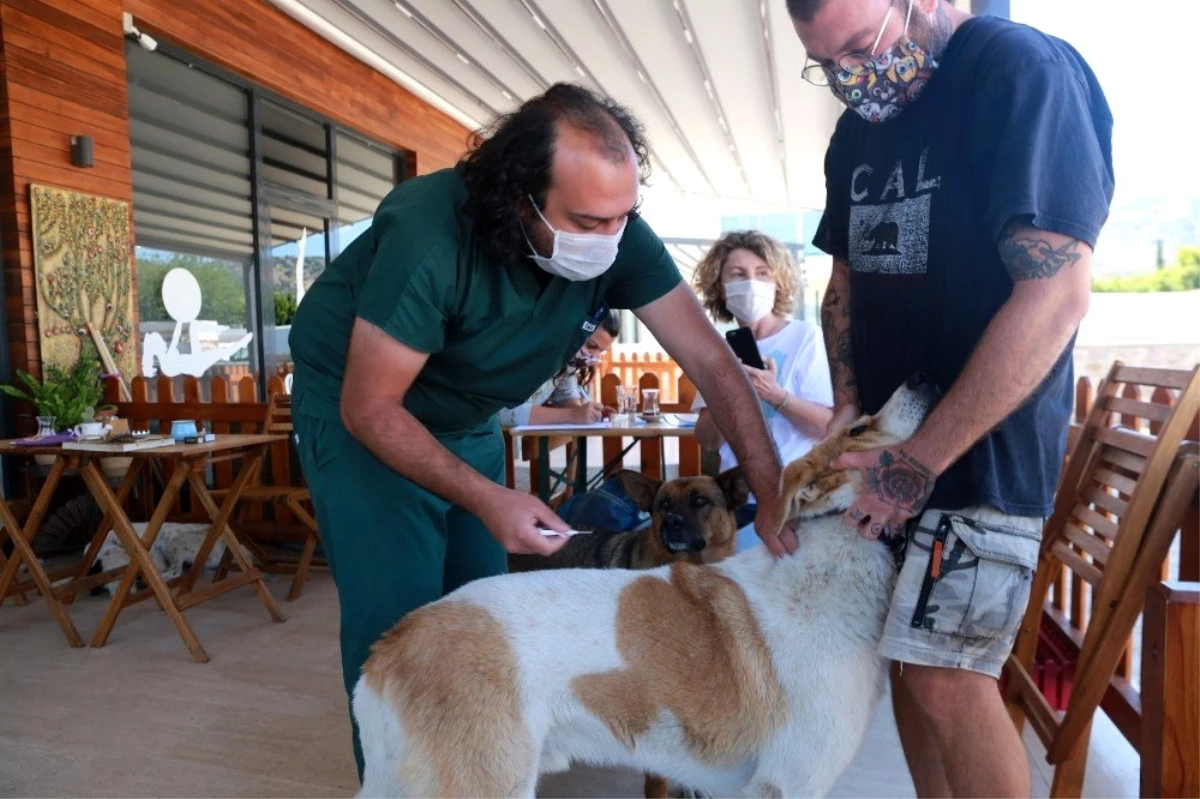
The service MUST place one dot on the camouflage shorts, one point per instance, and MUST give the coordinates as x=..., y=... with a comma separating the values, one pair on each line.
x=962, y=609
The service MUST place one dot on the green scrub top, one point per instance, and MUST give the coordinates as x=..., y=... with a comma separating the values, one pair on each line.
x=494, y=331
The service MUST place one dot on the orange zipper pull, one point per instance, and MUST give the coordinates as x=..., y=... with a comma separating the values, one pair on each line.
x=935, y=567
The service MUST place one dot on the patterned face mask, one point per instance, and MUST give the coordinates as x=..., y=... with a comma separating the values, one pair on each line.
x=885, y=83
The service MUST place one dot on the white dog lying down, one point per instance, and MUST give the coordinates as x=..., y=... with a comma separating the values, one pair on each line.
x=748, y=677
x=173, y=553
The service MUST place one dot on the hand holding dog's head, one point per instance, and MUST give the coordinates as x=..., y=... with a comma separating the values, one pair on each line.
x=818, y=485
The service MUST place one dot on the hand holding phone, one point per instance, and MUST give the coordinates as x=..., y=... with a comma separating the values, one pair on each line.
x=741, y=341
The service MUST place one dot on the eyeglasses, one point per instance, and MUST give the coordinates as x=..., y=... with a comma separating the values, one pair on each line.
x=819, y=73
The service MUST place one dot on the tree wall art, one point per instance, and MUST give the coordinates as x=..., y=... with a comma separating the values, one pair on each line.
x=84, y=270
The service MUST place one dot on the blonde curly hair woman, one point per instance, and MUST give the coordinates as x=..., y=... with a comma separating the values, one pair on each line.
x=750, y=278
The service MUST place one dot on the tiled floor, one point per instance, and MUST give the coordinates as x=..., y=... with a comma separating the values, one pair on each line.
x=267, y=716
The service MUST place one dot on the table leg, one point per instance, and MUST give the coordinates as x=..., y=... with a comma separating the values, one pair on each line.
x=611, y=465
x=139, y=554
x=221, y=529
x=22, y=538
x=20, y=599
x=543, y=486
x=581, y=464
x=70, y=591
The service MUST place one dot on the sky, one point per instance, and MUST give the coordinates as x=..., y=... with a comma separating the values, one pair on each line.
x=1144, y=57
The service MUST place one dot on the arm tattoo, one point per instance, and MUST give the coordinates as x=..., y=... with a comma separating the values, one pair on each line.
x=835, y=326
x=1028, y=257
x=901, y=481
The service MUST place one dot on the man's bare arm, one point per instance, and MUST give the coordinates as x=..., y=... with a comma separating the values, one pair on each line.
x=835, y=327
x=1052, y=284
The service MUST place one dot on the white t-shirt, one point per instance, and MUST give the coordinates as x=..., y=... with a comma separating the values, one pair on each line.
x=799, y=353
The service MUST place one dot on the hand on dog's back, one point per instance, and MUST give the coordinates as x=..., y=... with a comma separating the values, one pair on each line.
x=777, y=534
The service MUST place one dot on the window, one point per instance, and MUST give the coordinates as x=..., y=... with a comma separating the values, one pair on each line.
x=190, y=143
x=216, y=163
x=365, y=174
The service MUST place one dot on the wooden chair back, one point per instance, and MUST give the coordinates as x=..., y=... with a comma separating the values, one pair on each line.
x=1108, y=494
x=279, y=414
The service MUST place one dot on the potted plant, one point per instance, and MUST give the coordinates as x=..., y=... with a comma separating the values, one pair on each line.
x=64, y=397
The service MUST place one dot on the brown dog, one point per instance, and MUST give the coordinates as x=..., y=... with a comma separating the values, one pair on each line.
x=691, y=521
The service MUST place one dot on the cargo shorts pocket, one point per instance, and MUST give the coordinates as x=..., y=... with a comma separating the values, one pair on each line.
x=977, y=581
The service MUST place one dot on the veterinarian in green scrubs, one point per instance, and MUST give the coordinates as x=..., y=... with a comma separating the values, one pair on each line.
x=464, y=296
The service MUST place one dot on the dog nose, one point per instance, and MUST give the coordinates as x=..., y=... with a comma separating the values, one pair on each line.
x=917, y=380
x=673, y=523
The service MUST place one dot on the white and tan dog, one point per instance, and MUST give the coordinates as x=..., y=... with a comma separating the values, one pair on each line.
x=748, y=677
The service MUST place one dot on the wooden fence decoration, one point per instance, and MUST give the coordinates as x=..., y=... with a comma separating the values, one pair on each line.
x=629, y=367
x=233, y=406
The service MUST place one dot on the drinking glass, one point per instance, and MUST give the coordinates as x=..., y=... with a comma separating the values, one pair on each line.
x=650, y=403
x=626, y=406
x=45, y=426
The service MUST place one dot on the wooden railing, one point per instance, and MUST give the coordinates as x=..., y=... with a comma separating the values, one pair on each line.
x=629, y=367
x=221, y=405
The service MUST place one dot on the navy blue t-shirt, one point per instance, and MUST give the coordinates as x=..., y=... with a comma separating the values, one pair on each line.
x=1012, y=125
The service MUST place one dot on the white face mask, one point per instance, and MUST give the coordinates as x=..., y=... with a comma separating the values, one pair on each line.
x=749, y=300
x=577, y=256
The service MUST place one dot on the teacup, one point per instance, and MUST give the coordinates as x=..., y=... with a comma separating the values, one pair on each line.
x=92, y=430
x=182, y=428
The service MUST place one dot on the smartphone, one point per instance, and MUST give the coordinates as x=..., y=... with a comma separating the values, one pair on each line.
x=741, y=341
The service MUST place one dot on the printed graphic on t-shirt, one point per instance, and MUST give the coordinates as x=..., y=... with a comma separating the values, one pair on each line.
x=891, y=239
x=889, y=219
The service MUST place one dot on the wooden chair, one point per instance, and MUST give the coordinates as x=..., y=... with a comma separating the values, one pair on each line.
x=1114, y=518
x=292, y=498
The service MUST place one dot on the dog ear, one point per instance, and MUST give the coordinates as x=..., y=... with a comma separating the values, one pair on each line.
x=734, y=484
x=639, y=487
x=797, y=489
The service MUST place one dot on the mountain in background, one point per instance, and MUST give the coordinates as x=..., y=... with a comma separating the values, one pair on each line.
x=1129, y=241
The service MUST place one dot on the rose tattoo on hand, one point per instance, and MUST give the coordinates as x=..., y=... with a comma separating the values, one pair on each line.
x=901, y=481
x=898, y=486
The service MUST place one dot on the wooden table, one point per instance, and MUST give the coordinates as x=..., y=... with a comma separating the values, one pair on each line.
x=661, y=429
x=184, y=463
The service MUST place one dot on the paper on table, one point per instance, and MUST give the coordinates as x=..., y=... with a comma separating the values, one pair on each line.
x=592, y=426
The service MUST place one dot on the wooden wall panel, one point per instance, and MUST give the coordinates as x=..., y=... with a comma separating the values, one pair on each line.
x=62, y=73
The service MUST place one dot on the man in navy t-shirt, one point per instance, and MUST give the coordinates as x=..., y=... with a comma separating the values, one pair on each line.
x=966, y=182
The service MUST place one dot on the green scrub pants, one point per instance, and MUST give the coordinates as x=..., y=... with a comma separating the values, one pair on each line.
x=392, y=546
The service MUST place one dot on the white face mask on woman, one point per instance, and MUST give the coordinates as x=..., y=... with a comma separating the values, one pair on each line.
x=749, y=300
x=577, y=256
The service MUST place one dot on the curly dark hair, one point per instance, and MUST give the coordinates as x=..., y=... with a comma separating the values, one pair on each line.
x=511, y=159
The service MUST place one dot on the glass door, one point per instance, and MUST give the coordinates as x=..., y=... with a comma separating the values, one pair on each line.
x=294, y=253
